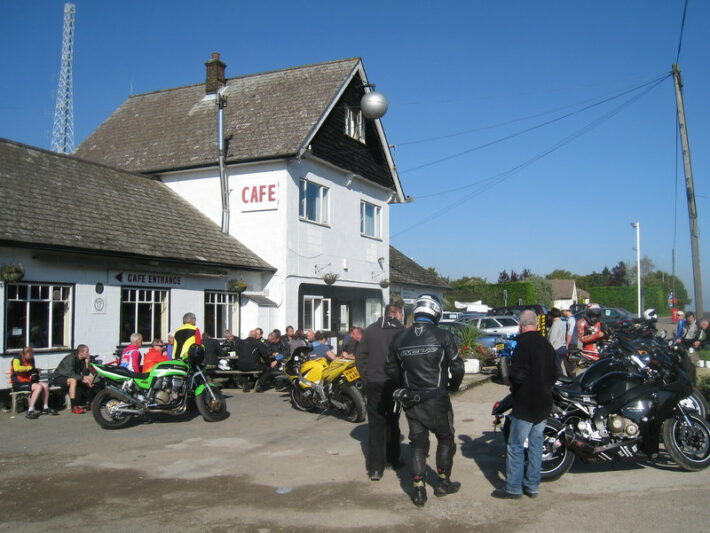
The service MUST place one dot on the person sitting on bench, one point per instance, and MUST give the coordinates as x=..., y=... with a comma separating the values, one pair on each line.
x=25, y=378
x=73, y=374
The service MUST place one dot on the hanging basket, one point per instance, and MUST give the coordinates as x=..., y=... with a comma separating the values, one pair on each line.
x=238, y=285
x=12, y=272
x=330, y=278
x=384, y=283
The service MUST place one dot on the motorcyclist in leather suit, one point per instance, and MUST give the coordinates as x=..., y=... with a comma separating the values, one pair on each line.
x=590, y=330
x=420, y=360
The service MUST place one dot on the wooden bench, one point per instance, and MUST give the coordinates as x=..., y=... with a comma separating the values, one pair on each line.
x=24, y=396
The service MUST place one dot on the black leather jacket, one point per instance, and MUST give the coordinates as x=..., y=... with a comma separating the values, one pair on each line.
x=421, y=358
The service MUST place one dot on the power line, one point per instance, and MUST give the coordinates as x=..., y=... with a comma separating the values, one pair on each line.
x=682, y=27
x=490, y=182
x=538, y=126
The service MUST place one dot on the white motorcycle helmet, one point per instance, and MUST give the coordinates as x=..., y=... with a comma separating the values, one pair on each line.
x=428, y=306
x=650, y=314
x=223, y=364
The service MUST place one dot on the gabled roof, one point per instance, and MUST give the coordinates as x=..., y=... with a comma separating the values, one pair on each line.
x=405, y=271
x=268, y=115
x=60, y=202
x=562, y=289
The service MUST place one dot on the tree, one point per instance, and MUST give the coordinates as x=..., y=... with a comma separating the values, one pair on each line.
x=669, y=283
x=525, y=274
x=433, y=271
x=647, y=266
x=618, y=275
x=543, y=289
x=503, y=277
x=514, y=276
x=561, y=274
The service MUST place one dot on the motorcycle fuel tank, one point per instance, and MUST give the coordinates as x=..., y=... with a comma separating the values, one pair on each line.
x=613, y=385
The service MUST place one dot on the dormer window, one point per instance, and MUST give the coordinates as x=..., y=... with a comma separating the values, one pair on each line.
x=355, y=124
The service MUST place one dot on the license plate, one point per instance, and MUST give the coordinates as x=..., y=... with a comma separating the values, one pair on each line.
x=499, y=347
x=351, y=374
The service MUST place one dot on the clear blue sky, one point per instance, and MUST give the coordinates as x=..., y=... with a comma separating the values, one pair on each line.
x=484, y=70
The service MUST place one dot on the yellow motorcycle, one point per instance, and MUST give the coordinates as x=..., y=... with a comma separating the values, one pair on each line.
x=325, y=385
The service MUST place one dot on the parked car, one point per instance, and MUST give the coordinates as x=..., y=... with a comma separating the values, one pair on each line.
x=449, y=316
x=515, y=310
x=612, y=317
x=505, y=325
x=489, y=340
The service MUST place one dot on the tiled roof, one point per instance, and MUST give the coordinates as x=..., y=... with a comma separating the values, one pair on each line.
x=268, y=115
x=562, y=288
x=405, y=271
x=59, y=201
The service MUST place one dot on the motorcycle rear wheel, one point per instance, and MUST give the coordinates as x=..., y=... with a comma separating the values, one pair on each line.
x=355, y=402
x=688, y=446
x=557, y=459
x=212, y=410
x=302, y=399
x=103, y=406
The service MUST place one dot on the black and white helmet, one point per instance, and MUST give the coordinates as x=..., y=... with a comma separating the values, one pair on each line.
x=650, y=314
x=428, y=306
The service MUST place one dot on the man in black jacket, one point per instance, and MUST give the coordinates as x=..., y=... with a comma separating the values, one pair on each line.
x=254, y=355
x=532, y=374
x=420, y=360
x=382, y=415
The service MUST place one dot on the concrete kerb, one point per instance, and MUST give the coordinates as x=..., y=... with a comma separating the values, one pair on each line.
x=474, y=380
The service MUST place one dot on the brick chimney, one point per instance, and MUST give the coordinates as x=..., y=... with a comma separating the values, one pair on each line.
x=215, y=74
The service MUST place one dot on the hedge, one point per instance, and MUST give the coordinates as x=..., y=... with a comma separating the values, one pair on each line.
x=626, y=297
x=492, y=295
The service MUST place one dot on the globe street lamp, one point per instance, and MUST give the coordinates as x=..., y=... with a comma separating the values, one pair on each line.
x=373, y=104
x=637, y=225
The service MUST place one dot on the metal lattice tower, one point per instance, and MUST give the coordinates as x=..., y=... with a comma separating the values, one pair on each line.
x=63, y=129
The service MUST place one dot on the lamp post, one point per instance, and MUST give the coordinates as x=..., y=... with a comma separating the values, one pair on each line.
x=637, y=226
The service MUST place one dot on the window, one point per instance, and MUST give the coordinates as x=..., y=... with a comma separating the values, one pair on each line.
x=373, y=309
x=313, y=202
x=316, y=313
x=370, y=220
x=38, y=315
x=144, y=311
x=221, y=312
x=354, y=124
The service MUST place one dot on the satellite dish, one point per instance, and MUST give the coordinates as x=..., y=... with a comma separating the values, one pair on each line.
x=374, y=105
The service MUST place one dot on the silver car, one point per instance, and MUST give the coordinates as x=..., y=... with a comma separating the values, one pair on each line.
x=505, y=325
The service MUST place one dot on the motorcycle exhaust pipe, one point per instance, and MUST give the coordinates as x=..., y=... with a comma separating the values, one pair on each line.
x=125, y=397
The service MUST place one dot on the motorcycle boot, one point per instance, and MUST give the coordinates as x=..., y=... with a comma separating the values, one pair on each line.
x=446, y=486
x=419, y=496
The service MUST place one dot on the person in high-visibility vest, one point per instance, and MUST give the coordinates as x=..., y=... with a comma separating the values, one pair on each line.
x=185, y=336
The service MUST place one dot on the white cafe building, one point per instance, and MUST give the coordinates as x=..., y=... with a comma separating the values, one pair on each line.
x=126, y=234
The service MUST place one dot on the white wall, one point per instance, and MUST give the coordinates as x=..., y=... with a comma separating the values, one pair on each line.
x=301, y=251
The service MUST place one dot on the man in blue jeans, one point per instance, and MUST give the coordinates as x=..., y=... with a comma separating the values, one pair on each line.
x=532, y=374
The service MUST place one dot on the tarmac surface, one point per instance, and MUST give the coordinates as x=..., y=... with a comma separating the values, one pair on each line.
x=270, y=468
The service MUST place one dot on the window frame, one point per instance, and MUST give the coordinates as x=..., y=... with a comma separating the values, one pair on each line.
x=164, y=313
x=233, y=318
x=67, y=327
x=355, y=124
x=322, y=206
x=377, y=222
x=321, y=312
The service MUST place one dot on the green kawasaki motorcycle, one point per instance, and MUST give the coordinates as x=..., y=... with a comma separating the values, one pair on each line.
x=166, y=389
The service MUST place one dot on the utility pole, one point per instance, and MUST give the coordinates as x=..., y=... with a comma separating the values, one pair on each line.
x=690, y=193
x=63, y=128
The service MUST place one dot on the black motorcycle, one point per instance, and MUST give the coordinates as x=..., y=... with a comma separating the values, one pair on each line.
x=624, y=414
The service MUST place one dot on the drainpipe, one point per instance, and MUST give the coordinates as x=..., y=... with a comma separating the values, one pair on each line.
x=223, y=183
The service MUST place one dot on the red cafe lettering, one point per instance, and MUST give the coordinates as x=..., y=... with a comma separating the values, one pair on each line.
x=259, y=193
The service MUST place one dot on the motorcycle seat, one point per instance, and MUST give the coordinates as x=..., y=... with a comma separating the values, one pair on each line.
x=125, y=372
x=573, y=390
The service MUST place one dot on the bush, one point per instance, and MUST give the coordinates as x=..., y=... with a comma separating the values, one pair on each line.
x=468, y=337
x=704, y=385
x=627, y=298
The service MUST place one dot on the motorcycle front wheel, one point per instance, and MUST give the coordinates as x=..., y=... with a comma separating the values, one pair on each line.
x=557, y=459
x=688, y=444
x=302, y=399
x=355, y=403
x=696, y=402
x=212, y=409
x=104, y=408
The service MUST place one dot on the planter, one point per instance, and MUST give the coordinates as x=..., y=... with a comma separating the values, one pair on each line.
x=385, y=283
x=330, y=278
x=472, y=366
x=238, y=285
x=12, y=272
